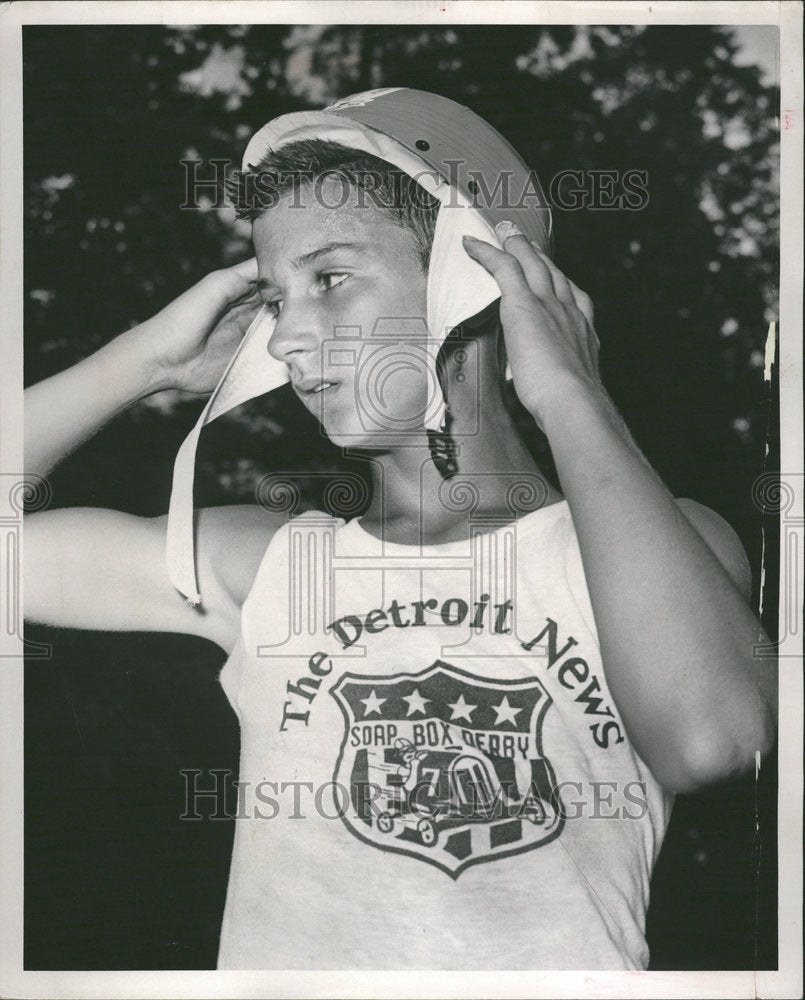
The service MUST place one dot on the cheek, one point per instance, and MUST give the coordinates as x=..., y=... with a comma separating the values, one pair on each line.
x=385, y=331
x=393, y=386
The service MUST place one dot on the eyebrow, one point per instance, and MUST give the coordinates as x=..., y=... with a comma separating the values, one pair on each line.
x=308, y=258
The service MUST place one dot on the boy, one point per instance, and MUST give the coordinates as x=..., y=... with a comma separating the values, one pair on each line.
x=454, y=688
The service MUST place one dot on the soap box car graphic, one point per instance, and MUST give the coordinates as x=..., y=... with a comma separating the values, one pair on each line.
x=446, y=766
x=445, y=789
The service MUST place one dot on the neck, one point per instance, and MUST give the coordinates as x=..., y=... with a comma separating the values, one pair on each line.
x=497, y=481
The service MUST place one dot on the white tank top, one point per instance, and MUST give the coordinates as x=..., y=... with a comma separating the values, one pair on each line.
x=433, y=771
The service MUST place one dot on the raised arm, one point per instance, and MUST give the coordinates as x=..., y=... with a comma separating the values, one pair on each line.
x=185, y=346
x=667, y=580
x=102, y=569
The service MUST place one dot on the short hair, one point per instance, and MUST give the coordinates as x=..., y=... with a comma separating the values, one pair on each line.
x=391, y=191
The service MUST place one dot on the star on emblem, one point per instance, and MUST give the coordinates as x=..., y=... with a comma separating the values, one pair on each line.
x=372, y=703
x=506, y=712
x=461, y=710
x=416, y=703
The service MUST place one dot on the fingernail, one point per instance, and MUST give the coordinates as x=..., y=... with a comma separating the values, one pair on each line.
x=470, y=239
x=505, y=229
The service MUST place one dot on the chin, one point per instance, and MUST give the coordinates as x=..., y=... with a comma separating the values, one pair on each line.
x=354, y=427
x=346, y=434
x=360, y=438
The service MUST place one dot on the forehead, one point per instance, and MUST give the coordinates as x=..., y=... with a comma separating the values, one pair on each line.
x=312, y=216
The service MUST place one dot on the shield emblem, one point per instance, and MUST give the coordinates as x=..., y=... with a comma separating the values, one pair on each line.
x=446, y=766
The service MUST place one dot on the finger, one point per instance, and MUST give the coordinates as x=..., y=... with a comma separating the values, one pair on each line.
x=583, y=301
x=584, y=304
x=514, y=243
x=240, y=280
x=561, y=283
x=243, y=313
x=247, y=269
x=503, y=267
x=234, y=284
x=595, y=347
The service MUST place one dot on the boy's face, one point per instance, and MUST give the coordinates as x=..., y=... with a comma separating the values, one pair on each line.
x=349, y=295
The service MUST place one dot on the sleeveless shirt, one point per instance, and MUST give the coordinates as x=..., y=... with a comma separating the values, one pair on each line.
x=433, y=774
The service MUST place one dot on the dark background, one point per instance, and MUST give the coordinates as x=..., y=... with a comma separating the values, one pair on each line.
x=684, y=290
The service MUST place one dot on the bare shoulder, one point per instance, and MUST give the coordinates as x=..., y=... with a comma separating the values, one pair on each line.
x=723, y=541
x=232, y=541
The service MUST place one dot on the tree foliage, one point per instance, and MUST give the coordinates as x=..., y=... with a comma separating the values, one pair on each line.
x=684, y=288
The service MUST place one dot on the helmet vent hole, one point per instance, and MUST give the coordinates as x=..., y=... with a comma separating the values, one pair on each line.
x=422, y=144
x=472, y=187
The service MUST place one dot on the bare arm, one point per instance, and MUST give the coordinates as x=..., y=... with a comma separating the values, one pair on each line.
x=185, y=346
x=64, y=411
x=670, y=592
x=667, y=582
x=103, y=569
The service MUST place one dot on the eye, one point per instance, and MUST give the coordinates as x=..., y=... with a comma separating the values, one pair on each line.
x=331, y=279
x=274, y=307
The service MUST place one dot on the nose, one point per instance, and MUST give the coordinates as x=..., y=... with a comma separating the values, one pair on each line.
x=296, y=334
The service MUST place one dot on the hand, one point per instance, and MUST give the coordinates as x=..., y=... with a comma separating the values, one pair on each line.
x=190, y=342
x=547, y=323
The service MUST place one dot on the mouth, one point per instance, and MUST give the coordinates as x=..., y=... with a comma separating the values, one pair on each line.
x=311, y=388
